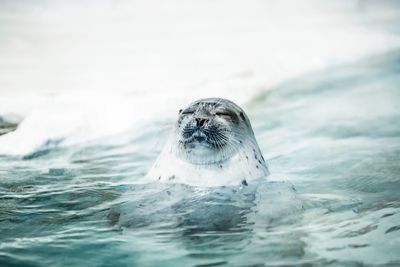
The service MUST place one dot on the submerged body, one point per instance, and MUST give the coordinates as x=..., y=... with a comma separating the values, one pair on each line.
x=212, y=144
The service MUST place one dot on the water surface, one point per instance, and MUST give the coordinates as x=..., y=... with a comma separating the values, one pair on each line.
x=331, y=139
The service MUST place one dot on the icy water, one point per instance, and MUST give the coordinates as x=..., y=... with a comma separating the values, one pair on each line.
x=331, y=139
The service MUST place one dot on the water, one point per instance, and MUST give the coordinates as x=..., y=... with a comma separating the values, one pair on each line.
x=331, y=139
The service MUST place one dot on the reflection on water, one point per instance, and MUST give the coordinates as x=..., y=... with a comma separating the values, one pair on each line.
x=332, y=140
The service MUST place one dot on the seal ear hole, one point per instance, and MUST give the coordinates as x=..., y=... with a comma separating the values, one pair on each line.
x=242, y=116
x=180, y=111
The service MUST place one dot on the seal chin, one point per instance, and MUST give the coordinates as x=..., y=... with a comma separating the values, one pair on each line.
x=198, y=137
x=197, y=143
x=198, y=150
x=199, y=153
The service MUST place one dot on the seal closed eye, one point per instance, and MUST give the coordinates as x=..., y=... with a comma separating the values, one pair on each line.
x=212, y=144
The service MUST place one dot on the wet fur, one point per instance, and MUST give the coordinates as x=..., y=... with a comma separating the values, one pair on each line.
x=212, y=144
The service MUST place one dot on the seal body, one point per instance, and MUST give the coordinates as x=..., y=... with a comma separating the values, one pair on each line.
x=212, y=144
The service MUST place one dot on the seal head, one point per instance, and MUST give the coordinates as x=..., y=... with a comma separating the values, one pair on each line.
x=210, y=131
x=212, y=139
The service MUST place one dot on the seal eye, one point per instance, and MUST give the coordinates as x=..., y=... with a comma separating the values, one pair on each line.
x=223, y=114
x=179, y=112
x=187, y=112
x=242, y=116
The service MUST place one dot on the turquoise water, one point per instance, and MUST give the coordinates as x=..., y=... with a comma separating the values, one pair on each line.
x=331, y=139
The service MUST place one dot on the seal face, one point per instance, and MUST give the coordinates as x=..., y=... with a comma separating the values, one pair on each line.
x=212, y=144
x=210, y=131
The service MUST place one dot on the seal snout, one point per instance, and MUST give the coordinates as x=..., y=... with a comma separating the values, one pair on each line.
x=196, y=130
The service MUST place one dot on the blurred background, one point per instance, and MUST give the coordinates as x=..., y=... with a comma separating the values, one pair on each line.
x=96, y=67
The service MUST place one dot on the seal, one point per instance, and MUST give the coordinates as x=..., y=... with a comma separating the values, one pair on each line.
x=212, y=144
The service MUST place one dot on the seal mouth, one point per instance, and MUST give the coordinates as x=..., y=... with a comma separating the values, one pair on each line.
x=199, y=137
x=211, y=137
x=196, y=136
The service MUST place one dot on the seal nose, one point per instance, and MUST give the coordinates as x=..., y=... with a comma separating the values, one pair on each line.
x=200, y=122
